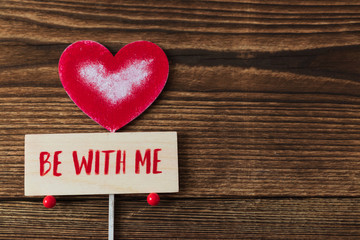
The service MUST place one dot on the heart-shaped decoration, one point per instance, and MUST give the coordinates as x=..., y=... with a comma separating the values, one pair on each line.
x=113, y=90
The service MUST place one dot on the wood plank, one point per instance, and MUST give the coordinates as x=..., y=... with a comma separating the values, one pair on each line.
x=322, y=70
x=241, y=219
x=82, y=219
x=214, y=25
x=314, y=218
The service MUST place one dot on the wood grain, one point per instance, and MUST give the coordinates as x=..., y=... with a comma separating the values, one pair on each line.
x=310, y=218
x=242, y=219
x=83, y=219
x=264, y=96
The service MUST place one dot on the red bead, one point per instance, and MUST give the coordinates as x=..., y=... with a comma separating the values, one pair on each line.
x=49, y=201
x=153, y=199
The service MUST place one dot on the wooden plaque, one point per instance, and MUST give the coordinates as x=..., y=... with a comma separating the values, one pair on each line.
x=101, y=163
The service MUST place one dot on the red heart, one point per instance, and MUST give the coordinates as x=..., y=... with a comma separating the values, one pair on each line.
x=113, y=90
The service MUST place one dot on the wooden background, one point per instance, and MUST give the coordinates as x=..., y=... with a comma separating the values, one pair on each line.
x=265, y=96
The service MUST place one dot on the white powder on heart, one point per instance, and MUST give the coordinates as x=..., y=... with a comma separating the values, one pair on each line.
x=118, y=85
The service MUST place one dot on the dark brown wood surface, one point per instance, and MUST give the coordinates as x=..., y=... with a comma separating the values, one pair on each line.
x=264, y=95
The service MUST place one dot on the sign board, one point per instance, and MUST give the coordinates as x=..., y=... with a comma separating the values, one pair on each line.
x=101, y=163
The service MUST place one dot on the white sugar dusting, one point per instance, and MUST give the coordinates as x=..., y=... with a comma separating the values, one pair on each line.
x=118, y=85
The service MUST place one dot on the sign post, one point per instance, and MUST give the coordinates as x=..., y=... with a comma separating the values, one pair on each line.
x=101, y=163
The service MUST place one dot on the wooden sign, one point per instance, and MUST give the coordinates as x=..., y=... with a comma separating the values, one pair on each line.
x=101, y=163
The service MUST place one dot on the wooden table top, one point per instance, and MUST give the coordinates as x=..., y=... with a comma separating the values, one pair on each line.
x=264, y=95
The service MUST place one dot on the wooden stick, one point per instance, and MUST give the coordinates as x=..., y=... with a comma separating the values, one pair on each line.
x=111, y=216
